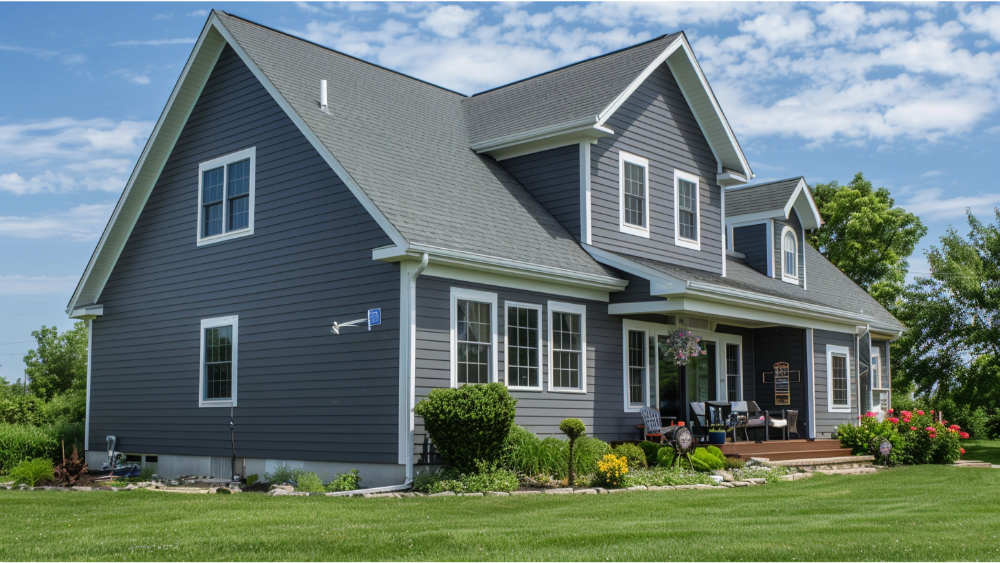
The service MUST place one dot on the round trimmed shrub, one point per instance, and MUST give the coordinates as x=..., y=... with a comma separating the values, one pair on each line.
x=468, y=424
x=633, y=453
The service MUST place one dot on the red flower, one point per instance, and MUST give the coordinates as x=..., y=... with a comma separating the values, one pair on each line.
x=921, y=413
x=964, y=435
x=955, y=427
x=913, y=428
x=932, y=411
x=870, y=414
x=894, y=420
x=930, y=429
x=890, y=411
x=962, y=450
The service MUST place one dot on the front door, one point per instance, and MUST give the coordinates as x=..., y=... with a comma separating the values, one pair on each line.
x=681, y=385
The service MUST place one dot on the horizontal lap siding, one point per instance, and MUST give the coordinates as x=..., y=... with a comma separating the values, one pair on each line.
x=752, y=241
x=657, y=124
x=827, y=422
x=541, y=412
x=780, y=344
x=303, y=393
x=553, y=178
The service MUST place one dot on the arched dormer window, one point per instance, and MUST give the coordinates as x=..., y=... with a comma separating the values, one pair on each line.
x=789, y=256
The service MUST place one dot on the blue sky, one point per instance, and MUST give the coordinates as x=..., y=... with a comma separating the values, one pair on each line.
x=907, y=93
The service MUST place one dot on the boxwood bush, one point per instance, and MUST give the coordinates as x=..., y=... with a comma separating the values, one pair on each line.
x=469, y=424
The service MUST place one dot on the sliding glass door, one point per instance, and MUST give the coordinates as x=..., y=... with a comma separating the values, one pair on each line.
x=680, y=386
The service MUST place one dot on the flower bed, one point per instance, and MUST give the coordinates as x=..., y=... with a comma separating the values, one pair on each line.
x=916, y=437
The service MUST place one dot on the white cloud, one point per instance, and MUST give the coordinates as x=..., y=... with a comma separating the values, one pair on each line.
x=83, y=223
x=932, y=173
x=37, y=285
x=934, y=204
x=198, y=14
x=449, y=21
x=982, y=20
x=155, y=42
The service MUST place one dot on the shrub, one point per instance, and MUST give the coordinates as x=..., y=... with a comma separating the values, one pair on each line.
x=344, y=482
x=588, y=452
x=19, y=442
x=282, y=474
x=21, y=409
x=33, y=471
x=69, y=407
x=733, y=463
x=468, y=424
x=611, y=471
x=487, y=478
x=526, y=454
x=916, y=438
x=71, y=468
x=308, y=482
x=705, y=460
x=145, y=474
x=573, y=428
x=69, y=433
x=650, y=449
x=633, y=453
x=665, y=457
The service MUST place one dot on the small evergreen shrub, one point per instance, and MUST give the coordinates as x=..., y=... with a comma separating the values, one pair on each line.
x=633, y=453
x=650, y=449
x=281, y=475
x=308, y=482
x=469, y=424
x=20, y=442
x=665, y=457
x=588, y=452
x=33, y=471
x=611, y=471
x=344, y=482
x=251, y=479
x=573, y=428
x=704, y=460
x=145, y=474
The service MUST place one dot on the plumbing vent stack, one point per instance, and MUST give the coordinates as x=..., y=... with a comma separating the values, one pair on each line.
x=322, y=96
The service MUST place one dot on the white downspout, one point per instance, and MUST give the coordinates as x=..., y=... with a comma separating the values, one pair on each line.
x=411, y=359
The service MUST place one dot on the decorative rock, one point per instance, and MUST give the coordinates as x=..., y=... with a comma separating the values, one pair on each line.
x=705, y=487
x=740, y=484
x=727, y=484
x=497, y=494
x=660, y=488
x=406, y=495
x=420, y=494
x=637, y=488
x=471, y=495
x=387, y=495
x=727, y=477
x=757, y=480
x=613, y=491
x=560, y=491
x=797, y=476
x=787, y=478
x=585, y=492
x=86, y=489
x=526, y=492
x=601, y=491
x=286, y=488
x=683, y=487
x=444, y=494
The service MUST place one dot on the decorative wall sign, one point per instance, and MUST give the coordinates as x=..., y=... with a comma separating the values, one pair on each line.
x=374, y=318
x=782, y=391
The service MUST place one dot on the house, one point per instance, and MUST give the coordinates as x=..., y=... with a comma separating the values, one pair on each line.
x=548, y=234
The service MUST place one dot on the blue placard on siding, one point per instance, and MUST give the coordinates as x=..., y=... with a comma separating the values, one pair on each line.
x=374, y=317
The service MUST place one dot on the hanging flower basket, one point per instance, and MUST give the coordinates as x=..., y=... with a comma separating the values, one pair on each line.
x=680, y=346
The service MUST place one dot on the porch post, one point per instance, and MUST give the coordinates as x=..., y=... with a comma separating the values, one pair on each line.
x=810, y=387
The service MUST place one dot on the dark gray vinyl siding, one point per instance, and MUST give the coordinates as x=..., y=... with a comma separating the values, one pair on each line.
x=751, y=240
x=781, y=344
x=637, y=290
x=303, y=393
x=747, y=353
x=553, y=178
x=657, y=124
x=601, y=408
x=826, y=422
x=779, y=225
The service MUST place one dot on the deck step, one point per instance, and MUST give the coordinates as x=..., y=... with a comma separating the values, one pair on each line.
x=830, y=463
x=798, y=454
x=740, y=448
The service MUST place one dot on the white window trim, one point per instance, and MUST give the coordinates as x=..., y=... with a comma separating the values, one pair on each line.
x=506, y=345
x=233, y=321
x=784, y=276
x=224, y=161
x=628, y=326
x=573, y=309
x=683, y=242
x=830, y=352
x=458, y=293
x=627, y=228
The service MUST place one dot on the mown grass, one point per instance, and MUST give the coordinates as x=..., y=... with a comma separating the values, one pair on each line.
x=913, y=513
x=982, y=450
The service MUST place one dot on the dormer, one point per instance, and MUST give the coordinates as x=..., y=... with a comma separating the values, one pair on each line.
x=766, y=225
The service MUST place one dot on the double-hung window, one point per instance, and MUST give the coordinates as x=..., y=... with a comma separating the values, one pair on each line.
x=474, y=337
x=636, y=366
x=838, y=372
x=217, y=382
x=789, y=255
x=733, y=372
x=687, y=210
x=633, y=187
x=226, y=197
x=523, y=346
x=567, y=344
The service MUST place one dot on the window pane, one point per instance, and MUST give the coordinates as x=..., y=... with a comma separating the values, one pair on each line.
x=212, y=216
x=636, y=367
x=838, y=371
x=239, y=213
x=522, y=347
x=474, y=336
x=239, y=178
x=791, y=262
x=211, y=185
x=219, y=362
x=635, y=194
x=567, y=350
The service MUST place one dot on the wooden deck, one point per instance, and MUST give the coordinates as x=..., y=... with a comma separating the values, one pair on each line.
x=780, y=450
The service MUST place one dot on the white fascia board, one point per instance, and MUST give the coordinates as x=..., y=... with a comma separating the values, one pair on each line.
x=88, y=312
x=753, y=218
x=802, y=192
x=727, y=312
x=147, y=170
x=727, y=179
x=543, y=138
x=505, y=266
x=660, y=283
x=307, y=132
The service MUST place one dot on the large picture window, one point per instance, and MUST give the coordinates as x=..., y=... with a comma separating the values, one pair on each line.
x=838, y=371
x=523, y=346
x=567, y=343
x=473, y=329
x=633, y=186
x=226, y=197
x=217, y=381
x=687, y=210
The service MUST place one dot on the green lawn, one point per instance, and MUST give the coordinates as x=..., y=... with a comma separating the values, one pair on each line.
x=914, y=513
x=982, y=450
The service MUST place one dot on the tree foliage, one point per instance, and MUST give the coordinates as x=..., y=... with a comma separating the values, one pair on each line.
x=866, y=235
x=952, y=344
x=59, y=361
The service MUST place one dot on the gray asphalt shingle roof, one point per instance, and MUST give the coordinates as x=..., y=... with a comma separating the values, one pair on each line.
x=827, y=285
x=564, y=95
x=760, y=197
x=404, y=142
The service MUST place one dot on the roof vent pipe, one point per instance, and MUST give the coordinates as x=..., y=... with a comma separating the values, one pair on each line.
x=322, y=96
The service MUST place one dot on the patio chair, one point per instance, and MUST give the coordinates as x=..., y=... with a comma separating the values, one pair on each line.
x=738, y=418
x=755, y=419
x=788, y=423
x=699, y=424
x=651, y=419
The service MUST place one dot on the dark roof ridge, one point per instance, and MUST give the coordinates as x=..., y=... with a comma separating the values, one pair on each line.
x=313, y=43
x=738, y=188
x=576, y=63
